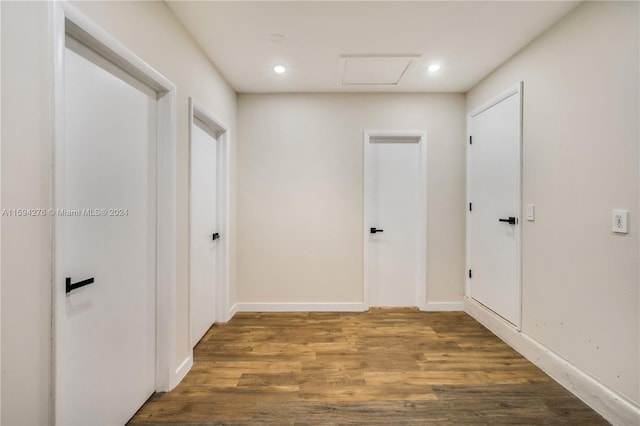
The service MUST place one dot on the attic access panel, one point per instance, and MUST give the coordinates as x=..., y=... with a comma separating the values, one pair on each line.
x=374, y=70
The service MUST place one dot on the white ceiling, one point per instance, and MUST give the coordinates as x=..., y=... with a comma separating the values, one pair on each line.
x=311, y=38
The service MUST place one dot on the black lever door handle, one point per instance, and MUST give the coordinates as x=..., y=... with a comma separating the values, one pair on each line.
x=216, y=236
x=69, y=286
x=374, y=230
x=510, y=220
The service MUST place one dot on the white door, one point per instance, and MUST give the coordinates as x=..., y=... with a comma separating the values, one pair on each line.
x=395, y=220
x=105, y=225
x=205, y=236
x=494, y=216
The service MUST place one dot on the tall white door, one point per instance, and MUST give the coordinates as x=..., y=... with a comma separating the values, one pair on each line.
x=494, y=216
x=105, y=232
x=395, y=226
x=205, y=235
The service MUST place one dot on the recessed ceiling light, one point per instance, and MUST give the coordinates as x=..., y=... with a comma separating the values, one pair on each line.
x=279, y=69
x=434, y=68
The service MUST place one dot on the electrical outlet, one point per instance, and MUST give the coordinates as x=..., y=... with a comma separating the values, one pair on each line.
x=619, y=225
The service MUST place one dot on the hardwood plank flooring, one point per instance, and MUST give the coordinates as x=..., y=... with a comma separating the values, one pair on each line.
x=382, y=367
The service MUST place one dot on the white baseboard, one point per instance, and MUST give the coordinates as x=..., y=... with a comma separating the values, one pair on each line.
x=300, y=307
x=614, y=407
x=232, y=311
x=183, y=369
x=330, y=307
x=444, y=306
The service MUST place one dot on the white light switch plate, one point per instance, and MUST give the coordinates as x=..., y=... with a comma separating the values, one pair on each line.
x=619, y=224
x=531, y=212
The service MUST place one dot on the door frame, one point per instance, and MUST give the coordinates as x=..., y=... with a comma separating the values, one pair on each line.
x=421, y=137
x=222, y=131
x=0, y=246
x=66, y=20
x=515, y=90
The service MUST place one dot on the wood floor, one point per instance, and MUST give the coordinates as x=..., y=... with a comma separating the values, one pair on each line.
x=383, y=367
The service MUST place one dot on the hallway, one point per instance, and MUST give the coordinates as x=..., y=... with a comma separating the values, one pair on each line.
x=385, y=366
x=232, y=170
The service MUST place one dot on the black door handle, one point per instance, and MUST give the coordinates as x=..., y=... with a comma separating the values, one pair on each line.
x=69, y=286
x=374, y=230
x=510, y=220
x=216, y=236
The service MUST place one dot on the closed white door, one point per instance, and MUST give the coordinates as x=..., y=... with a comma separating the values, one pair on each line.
x=396, y=221
x=205, y=235
x=494, y=216
x=105, y=232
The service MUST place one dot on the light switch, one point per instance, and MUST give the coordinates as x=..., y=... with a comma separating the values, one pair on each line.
x=531, y=212
x=619, y=224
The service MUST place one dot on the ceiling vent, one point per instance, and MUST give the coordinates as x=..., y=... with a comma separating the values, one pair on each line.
x=374, y=70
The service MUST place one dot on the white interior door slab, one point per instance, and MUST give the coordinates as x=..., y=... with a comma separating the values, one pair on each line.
x=105, y=193
x=395, y=234
x=205, y=236
x=494, y=216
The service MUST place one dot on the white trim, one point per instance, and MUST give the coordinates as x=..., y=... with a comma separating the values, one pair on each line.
x=184, y=368
x=166, y=243
x=444, y=306
x=614, y=407
x=516, y=89
x=299, y=307
x=232, y=311
x=0, y=227
x=421, y=136
x=467, y=264
x=67, y=20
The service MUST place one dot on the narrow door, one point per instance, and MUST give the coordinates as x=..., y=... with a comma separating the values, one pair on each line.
x=205, y=235
x=494, y=213
x=105, y=196
x=396, y=221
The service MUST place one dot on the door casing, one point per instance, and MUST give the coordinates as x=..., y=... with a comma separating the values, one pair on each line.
x=67, y=21
x=421, y=137
x=516, y=89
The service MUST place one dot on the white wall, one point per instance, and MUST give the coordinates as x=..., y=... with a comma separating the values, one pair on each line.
x=26, y=301
x=150, y=31
x=581, y=136
x=299, y=171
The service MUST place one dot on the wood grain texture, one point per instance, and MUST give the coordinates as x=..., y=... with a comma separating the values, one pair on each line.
x=382, y=367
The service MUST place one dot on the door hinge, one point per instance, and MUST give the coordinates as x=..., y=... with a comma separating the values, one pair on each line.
x=470, y=140
x=470, y=207
x=470, y=274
